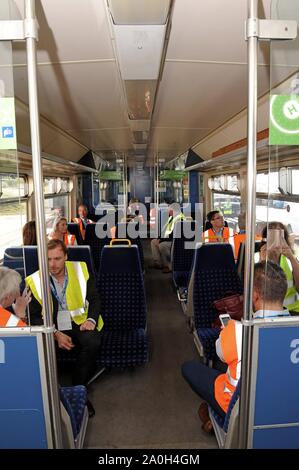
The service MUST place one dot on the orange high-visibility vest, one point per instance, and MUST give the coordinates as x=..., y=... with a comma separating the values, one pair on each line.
x=226, y=237
x=69, y=239
x=9, y=319
x=231, y=345
x=238, y=239
x=78, y=220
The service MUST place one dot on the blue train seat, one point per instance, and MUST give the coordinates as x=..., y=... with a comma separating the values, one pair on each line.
x=225, y=429
x=213, y=275
x=24, y=259
x=182, y=255
x=120, y=283
x=74, y=401
x=96, y=244
x=123, y=231
x=74, y=229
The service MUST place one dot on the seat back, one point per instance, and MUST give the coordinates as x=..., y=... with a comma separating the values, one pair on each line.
x=23, y=259
x=241, y=258
x=74, y=229
x=81, y=253
x=128, y=230
x=74, y=401
x=121, y=288
x=213, y=275
x=182, y=251
x=95, y=242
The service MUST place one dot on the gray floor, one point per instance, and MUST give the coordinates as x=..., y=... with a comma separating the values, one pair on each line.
x=152, y=406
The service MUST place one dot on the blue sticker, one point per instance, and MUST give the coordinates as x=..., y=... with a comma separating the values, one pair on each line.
x=7, y=132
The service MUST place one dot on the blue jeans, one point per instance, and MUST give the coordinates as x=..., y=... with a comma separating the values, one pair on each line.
x=201, y=379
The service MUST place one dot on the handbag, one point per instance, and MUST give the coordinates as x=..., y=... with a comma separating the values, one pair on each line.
x=232, y=304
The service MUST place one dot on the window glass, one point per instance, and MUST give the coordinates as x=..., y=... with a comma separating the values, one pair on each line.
x=264, y=184
x=232, y=183
x=49, y=185
x=295, y=180
x=229, y=206
x=62, y=185
x=56, y=206
x=12, y=187
x=217, y=183
x=13, y=215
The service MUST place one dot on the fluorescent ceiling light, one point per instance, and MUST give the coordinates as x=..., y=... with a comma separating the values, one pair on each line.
x=140, y=51
x=140, y=98
x=139, y=11
x=139, y=146
x=140, y=125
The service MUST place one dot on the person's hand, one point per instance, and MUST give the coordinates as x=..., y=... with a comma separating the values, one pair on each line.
x=87, y=326
x=272, y=254
x=64, y=341
x=21, y=302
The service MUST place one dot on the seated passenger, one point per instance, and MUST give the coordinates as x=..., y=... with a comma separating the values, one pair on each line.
x=29, y=233
x=82, y=220
x=218, y=232
x=161, y=247
x=281, y=252
x=269, y=289
x=10, y=281
x=60, y=232
x=76, y=309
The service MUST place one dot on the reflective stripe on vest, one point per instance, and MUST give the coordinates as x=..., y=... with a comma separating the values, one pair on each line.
x=8, y=319
x=226, y=237
x=75, y=292
x=291, y=300
x=68, y=239
x=78, y=220
x=170, y=224
x=231, y=345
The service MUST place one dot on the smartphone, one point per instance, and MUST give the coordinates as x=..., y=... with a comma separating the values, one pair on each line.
x=224, y=319
x=275, y=238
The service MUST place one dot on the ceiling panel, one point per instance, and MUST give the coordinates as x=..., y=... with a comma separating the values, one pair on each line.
x=105, y=139
x=172, y=141
x=70, y=30
x=210, y=31
x=77, y=96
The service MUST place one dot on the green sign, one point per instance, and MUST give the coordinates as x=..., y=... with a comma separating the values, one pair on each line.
x=173, y=175
x=284, y=120
x=111, y=175
x=8, y=138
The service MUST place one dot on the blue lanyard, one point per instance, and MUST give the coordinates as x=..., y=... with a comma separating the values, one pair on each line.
x=55, y=293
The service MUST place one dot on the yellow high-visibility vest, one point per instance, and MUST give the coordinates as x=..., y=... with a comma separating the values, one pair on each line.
x=76, y=301
x=291, y=300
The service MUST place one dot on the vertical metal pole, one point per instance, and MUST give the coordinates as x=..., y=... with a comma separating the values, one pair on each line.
x=250, y=229
x=50, y=361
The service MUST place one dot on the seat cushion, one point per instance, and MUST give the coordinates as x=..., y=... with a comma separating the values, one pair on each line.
x=207, y=337
x=74, y=400
x=123, y=348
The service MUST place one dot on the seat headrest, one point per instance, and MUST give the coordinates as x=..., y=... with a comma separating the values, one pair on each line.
x=214, y=256
x=120, y=259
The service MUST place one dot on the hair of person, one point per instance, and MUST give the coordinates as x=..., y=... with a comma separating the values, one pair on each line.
x=57, y=222
x=83, y=205
x=270, y=281
x=276, y=225
x=242, y=220
x=53, y=244
x=10, y=281
x=29, y=233
x=211, y=214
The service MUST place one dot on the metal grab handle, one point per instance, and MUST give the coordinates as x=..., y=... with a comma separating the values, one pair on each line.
x=120, y=240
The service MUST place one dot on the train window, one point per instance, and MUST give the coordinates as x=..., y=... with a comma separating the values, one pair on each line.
x=229, y=205
x=232, y=183
x=219, y=183
x=56, y=206
x=295, y=181
x=12, y=187
x=49, y=185
x=62, y=185
x=266, y=184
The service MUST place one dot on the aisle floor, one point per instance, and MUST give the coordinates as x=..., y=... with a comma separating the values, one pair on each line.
x=151, y=406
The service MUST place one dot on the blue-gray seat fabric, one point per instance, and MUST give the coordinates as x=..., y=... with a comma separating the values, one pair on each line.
x=214, y=276
x=95, y=242
x=74, y=400
x=121, y=287
x=74, y=229
x=127, y=230
x=182, y=255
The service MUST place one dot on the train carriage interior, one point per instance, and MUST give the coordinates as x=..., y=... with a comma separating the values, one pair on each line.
x=141, y=116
